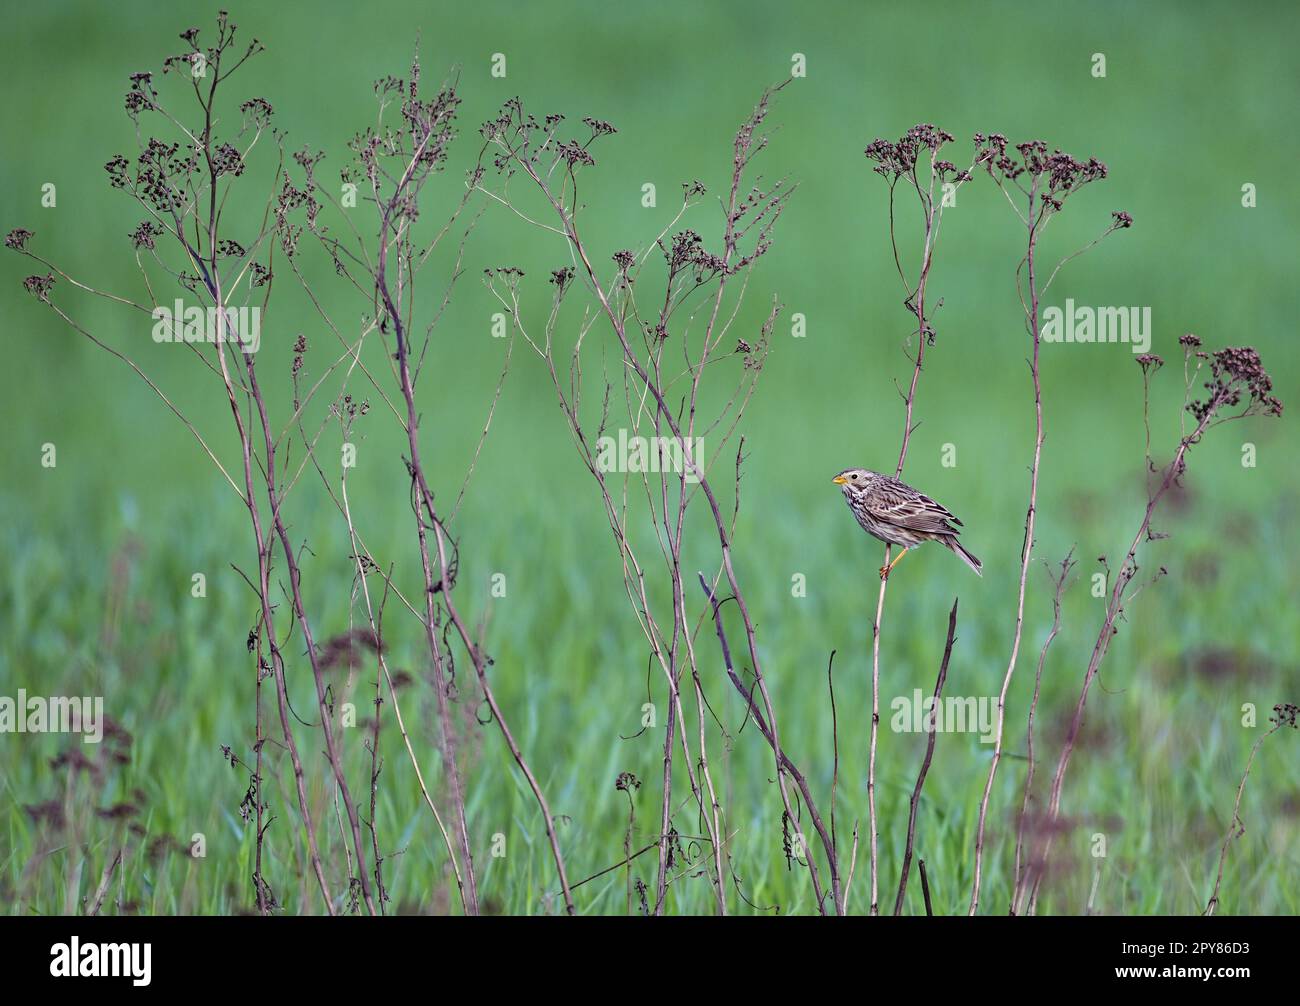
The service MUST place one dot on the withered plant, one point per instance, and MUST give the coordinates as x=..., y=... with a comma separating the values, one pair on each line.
x=650, y=344
x=188, y=174
x=671, y=305
x=1036, y=185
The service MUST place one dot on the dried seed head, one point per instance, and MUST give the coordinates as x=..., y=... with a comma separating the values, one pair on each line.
x=17, y=238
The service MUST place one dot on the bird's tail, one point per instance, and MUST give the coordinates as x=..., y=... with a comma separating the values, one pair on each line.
x=969, y=559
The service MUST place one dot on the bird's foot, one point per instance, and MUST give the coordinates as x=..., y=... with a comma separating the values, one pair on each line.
x=884, y=572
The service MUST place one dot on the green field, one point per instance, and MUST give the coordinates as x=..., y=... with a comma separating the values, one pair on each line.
x=102, y=547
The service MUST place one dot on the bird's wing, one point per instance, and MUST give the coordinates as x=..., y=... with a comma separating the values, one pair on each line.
x=900, y=504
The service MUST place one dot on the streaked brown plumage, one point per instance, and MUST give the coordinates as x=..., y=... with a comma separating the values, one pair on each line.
x=897, y=514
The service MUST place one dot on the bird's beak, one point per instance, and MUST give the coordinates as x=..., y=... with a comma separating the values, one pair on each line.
x=839, y=480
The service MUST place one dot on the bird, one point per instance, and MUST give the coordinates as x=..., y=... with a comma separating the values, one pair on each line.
x=897, y=514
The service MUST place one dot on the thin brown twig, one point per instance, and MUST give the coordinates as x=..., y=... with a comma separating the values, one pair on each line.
x=925, y=764
x=1021, y=871
x=105, y=879
x=1283, y=715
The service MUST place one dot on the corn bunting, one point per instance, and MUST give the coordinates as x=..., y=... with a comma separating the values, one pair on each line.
x=897, y=514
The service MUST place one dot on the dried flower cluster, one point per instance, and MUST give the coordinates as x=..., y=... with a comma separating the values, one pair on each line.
x=1236, y=373
x=899, y=159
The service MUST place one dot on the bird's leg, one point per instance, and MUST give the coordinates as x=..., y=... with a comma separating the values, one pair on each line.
x=885, y=570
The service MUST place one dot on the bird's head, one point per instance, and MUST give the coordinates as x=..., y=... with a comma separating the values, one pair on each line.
x=853, y=480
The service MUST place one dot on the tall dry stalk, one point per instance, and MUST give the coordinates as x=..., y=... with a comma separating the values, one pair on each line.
x=182, y=185
x=667, y=338
x=1036, y=184
x=914, y=162
x=1285, y=714
x=1021, y=871
x=1236, y=379
x=188, y=187
x=915, y=802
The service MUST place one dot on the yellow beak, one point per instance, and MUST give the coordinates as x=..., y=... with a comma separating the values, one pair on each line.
x=839, y=480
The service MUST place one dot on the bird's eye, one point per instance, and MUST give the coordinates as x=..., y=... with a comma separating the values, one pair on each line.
x=854, y=476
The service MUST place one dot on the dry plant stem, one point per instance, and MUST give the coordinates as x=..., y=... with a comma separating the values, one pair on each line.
x=376, y=767
x=1235, y=827
x=674, y=673
x=397, y=708
x=432, y=582
x=425, y=501
x=152, y=386
x=713, y=817
x=925, y=887
x=1127, y=572
x=1236, y=376
x=666, y=800
x=213, y=284
x=475, y=652
x=426, y=123
x=627, y=851
x=173, y=209
x=619, y=865
x=648, y=377
x=683, y=500
x=932, y=211
x=376, y=762
x=925, y=765
x=107, y=876
x=635, y=585
x=286, y=727
x=835, y=754
x=681, y=618
x=682, y=636
x=268, y=629
x=295, y=579
x=880, y=600
x=175, y=226
x=441, y=686
x=258, y=879
x=827, y=840
x=681, y=628
x=719, y=520
x=1052, y=179
x=517, y=753
x=1021, y=872
x=429, y=129
x=1034, y=220
x=853, y=863
x=360, y=555
x=875, y=728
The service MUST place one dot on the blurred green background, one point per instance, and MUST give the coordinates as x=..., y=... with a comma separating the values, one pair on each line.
x=1198, y=100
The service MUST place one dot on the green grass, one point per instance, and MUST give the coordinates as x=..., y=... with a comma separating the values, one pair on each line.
x=1155, y=773
x=100, y=550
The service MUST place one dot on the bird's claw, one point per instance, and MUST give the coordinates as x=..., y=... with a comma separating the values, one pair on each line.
x=884, y=573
